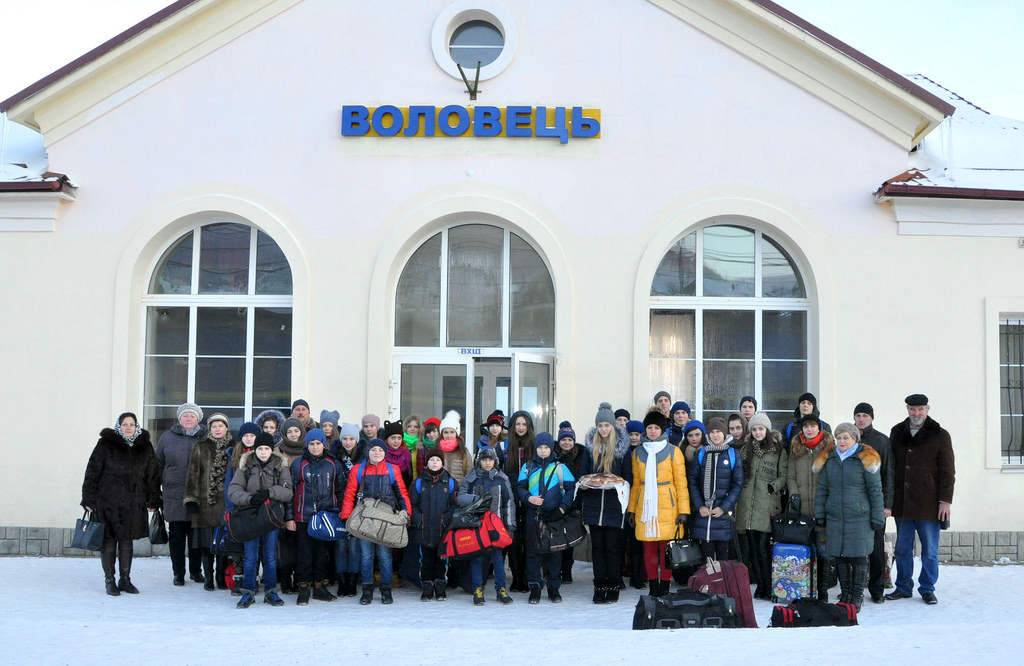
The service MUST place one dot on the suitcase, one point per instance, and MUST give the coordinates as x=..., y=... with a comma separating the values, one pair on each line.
x=685, y=609
x=731, y=579
x=814, y=613
x=792, y=572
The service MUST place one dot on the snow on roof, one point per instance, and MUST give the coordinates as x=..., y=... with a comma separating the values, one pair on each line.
x=971, y=150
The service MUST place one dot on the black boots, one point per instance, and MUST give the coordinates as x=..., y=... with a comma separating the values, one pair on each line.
x=385, y=595
x=367, y=597
x=304, y=592
x=208, y=578
x=859, y=575
x=534, y=593
x=321, y=593
x=428, y=590
x=554, y=595
x=111, y=587
x=440, y=593
x=600, y=591
x=611, y=594
x=125, y=584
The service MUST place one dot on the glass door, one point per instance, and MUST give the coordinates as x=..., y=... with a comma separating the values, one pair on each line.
x=427, y=387
x=533, y=388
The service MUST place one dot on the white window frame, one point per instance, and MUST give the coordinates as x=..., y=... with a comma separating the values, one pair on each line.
x=997, y=311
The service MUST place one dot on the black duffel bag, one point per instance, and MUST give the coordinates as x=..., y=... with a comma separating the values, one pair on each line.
x=685, y=609
x=468, y=517
x=791, y=527
x=814, y=613
x=247, y=522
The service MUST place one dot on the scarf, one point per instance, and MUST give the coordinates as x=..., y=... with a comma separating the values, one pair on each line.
x=290, y=448
x=215, y=489
x=843, y=455
x=448, y=445
x=400, y=458
x=811, y=443
x=710, y=469
x=649, y=515
x=128, y=440
x=410, y=441
x=429, y=443
x=193, y=431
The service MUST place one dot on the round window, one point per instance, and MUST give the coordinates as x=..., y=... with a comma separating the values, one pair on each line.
x=476, y=42
x=468, y=32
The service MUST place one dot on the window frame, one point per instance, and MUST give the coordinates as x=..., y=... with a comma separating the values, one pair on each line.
x=997, y=311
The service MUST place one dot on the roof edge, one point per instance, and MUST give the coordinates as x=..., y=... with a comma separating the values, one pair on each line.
x=888, y=190
x=54, y=182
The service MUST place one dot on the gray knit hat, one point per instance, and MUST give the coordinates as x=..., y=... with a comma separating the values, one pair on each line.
x=604, y=414
x=849, y=428
x=761, y=419
x=190, y=407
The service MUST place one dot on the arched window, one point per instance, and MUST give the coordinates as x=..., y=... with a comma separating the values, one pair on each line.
x=218, y=326
x=728, y=318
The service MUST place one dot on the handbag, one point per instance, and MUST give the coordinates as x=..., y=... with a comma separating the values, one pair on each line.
x=157, y=529
x=326, y=526
x=251, y=522
x=682, y=552
x=375, y=520
x=792, y=527
x=558, y=535
x=88, y=532
x=468, y=517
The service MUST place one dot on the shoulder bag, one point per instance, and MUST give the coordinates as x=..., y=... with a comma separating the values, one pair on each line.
x=88, y=532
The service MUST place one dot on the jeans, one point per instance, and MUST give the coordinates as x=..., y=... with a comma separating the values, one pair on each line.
x=928, y=532
x=366, y=563
x=346, y=555
x=251, y=560
x=476, y=568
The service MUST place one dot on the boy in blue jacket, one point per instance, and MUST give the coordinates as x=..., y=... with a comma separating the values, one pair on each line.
x=485, y=478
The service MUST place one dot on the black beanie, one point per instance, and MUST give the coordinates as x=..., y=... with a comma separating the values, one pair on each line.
x=864, y=408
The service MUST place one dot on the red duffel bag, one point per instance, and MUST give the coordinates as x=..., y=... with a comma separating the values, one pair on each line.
x=467, y=543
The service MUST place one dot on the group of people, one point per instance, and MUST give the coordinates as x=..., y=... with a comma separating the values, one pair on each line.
x=635, y=484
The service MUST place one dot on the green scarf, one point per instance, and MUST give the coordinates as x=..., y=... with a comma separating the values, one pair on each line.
x=429, y=443
x=410, y=441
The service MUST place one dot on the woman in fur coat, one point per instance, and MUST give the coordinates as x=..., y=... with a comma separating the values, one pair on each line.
x=204, y=494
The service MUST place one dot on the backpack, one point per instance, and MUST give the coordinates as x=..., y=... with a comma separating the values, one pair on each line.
x=732, y=456
x=419, y=486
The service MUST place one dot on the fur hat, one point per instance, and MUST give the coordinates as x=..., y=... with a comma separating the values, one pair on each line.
x=656, y=418
x=330, y=417
x=604, y=414
x=622, y=412
x=634, y=426
x=392, y=428
x=850, y=428
x=717, y=423
x=565, y=430
x=250, y=428
x=761, y=419
x=263, y=439
x=543, y=439
x=679, y=405
x=864, y=408
x=349, y=430
x=190, y=407
x=451, y=420
x=316, y=435
x=486, y=452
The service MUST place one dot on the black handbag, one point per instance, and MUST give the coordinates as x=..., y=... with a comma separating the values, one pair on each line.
x=157, y=529
x=88, y=533
x=682, y=552
x=251, y=522
x=558, y=535
x=791, y=527
x=468, y=517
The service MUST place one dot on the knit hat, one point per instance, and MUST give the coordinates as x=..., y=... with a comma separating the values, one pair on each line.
x=190, y=407
x=622, y=412
x=565, y=430
x=316, y=434
x=371, y=418
x=250, y=428
x=218, y=417
x=864, y=408
x=809, y=418
x=435, y=452
x=661, y=393
x=288, y=423
x=656, y=418
x=298, y=402
x=750, y=399
x=392, y=428
x=850, y=428
x=634, y=426
x=432, y=421
x=349, y=430
x=497, y=416
x=809, y=397
x=679, y=404
x=486, y=452
x=376, y=442
x=543, y=439
x=604, y=414
x=916, y=400
x=717, y=423
x=694, y=424
x=263, y=439
x=761, y=419
x=330, y=417
x=451, y=420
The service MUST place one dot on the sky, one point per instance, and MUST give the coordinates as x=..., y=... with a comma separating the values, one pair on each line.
x=973, y=47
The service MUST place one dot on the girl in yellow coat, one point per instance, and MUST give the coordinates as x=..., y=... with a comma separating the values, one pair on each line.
x=658, y=499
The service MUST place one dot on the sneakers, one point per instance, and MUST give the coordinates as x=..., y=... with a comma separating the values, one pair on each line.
x=321, y=593
x=272, y=599
x=246, y=600
x=125, y=585
x=303, y=598
x=554, y=595
x=502, y=596
x=367, y=597
x=929, y=598
x=534, y=593
x=896, y=595
x=478, y=597
x=385, y=595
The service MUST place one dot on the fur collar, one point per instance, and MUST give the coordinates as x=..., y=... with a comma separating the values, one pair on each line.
x=902, y=434
x=114, y=438
x=621, y=441
x=797, y=448
x=868, y=457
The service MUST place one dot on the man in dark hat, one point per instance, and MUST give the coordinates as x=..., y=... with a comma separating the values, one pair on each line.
x=864, y=418
x=922, y=498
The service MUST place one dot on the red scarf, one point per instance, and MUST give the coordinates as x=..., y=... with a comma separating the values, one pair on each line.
x=448, y=445
x=814, y=442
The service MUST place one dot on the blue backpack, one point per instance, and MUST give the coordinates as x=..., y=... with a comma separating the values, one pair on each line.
x=419, y=486
x=732, y=456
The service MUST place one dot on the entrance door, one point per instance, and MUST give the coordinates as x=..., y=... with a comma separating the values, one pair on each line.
x=533, y=389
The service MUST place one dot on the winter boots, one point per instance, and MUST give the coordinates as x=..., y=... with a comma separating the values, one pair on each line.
x=611, y=594
x=208, y=578
x=659, y=588
x=125, y=584
x=440, y=591
x=367, y=597
x=347, y=583
x=502, y=595
x=853, y=578
x=111, y=587
x=304, y=592
x=478, y=596
x=321, y=593
x=385, y=595
x=600, y=591
x=428, y=590
x=554, y=595
x=534, y=593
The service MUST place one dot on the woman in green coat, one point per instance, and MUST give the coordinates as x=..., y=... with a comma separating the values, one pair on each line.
x=848, y=503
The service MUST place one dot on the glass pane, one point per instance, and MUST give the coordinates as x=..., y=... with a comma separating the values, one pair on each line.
x=173, y=275
x=224, y=259
x=531, y=297
x=158, y=420
x=1011, y=342
x=677, y=272
x=780, y=419
x=535, y=393
x=273, y=274
x=779, y=277
x=474, y=286
x=1011, y=382
x=729, y=334
x=728, y=261
x=783, y=383
x=492, y=386
x=166, y=330
x=432, y=389
x=725, y=382
x=784, y=335
x=273, y=334
x=418, y=299
x=220, y=381
x=166, y=380
x=272, y=382
x=476, y=41
x=221, y=331
x=1012, y=438
x=672, y=335
x=679, y=378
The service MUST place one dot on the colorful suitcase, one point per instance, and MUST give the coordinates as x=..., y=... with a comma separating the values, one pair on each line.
x=792, y=572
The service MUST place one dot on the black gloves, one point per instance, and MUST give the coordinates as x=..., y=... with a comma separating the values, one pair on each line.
x=681, y=519
x=191, y=507
x=771, y=489
x=631, y=519
x=259, y=497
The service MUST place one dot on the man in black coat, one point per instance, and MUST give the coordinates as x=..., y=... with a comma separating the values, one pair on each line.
x=863, y=418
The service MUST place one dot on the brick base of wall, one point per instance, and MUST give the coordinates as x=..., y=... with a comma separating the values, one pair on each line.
x=56, y=542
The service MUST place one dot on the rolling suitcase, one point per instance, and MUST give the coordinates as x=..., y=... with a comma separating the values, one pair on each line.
x=731, y=579
x=792, y=572
x=685, y=609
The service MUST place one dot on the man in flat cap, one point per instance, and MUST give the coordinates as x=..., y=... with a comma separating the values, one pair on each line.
x=922, y=498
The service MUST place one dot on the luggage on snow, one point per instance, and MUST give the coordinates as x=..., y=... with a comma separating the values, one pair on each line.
x=685, y=609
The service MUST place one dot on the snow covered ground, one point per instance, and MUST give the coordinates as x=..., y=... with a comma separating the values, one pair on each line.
x=54, y=611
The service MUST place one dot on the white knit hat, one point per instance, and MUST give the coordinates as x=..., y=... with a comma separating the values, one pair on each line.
x=451, y=420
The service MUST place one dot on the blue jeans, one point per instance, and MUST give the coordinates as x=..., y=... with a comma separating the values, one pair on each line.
x=366, y=563
x=251, y=558
x=928, y=532
x=552, y=564
x=476, y=568
x=346, y=555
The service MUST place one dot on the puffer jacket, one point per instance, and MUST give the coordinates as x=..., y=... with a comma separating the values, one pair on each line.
x=202, y=474
x=317, y=483
x=253, y=476
x=380, y=481
x=540, y=477
x=172, y=454
x=673, y=497
x=801, y=479
x=578, y=460
x=433, y=498
x=849, y=498
x=602, y=507
x=478, y=483
x=722, y=489
x=764, y=480
x=121, y=482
